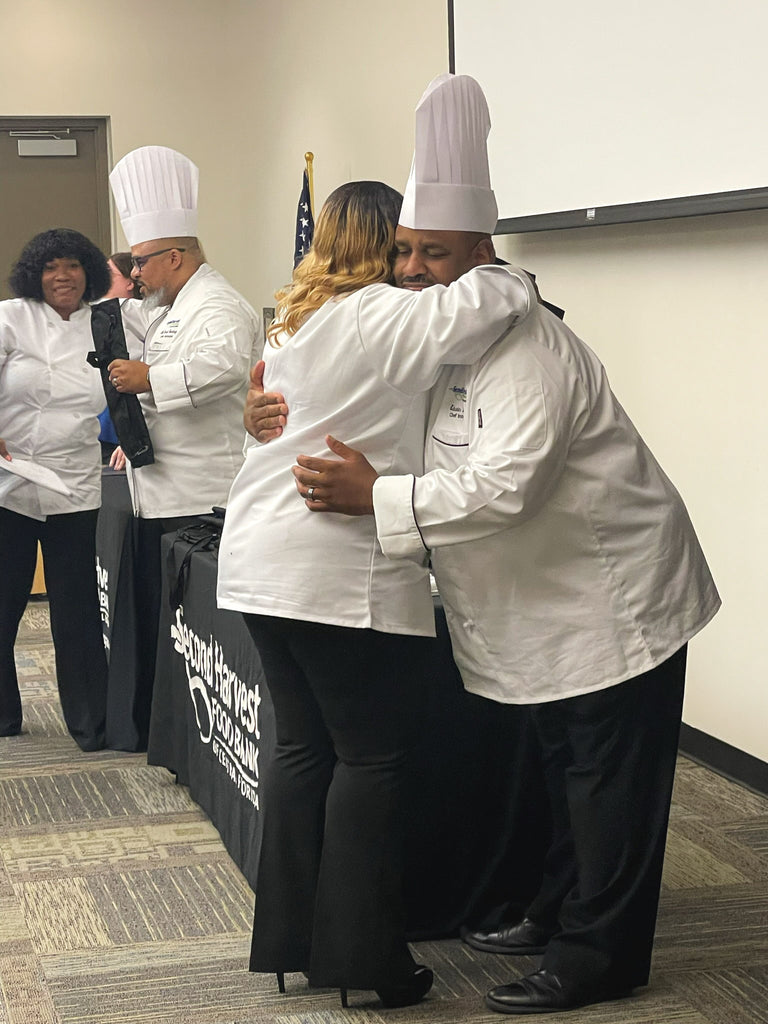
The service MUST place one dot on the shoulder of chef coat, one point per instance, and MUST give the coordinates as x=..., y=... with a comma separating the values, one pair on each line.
x=409, y=336
x=206, y=309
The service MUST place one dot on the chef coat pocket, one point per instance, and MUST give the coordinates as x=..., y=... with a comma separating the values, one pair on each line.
x=522, y=411
x=450, y=439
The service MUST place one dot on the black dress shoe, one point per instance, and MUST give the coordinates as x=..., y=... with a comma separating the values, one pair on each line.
x=543, y=992
x=91, y=743
x=409, y=991
x=525, y=938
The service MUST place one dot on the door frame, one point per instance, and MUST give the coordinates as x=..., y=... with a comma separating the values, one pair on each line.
x=100, y=127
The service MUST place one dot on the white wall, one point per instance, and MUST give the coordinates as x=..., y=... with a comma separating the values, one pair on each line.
x=675, y=310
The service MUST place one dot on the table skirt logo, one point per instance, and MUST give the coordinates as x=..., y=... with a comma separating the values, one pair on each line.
x=102, y=582
x=226, y=709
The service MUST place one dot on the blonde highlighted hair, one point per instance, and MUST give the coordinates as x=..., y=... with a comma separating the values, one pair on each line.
x=353, y=246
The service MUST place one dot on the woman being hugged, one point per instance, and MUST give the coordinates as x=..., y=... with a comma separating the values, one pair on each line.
x=340, y=629
x=49, y=401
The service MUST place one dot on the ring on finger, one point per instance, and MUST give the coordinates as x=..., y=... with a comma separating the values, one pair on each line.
x=311, y=493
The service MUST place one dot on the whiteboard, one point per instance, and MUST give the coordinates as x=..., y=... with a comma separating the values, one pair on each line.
x=600, y=104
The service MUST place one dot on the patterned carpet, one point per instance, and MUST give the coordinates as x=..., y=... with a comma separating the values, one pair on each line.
x=119, y=904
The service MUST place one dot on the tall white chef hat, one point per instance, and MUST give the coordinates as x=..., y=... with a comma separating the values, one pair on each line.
x=449, y=188
x=155, y=189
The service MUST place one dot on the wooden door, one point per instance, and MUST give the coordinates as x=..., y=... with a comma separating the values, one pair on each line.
x=42, y=192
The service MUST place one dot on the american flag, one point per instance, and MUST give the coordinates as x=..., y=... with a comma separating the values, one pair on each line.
x=305, y=224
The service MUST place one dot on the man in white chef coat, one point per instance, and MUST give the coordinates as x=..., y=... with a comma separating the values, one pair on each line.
x=572, y=581
x=199, y=339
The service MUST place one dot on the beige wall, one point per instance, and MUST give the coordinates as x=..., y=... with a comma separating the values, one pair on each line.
x=674, y=309
x=242, y=87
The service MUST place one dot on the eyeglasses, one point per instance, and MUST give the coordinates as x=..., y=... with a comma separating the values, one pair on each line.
x=138, y=261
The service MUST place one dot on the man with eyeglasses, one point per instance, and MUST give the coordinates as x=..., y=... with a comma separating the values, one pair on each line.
x=199, y=339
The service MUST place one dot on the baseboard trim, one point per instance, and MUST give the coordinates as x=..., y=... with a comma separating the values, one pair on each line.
x=724, y=759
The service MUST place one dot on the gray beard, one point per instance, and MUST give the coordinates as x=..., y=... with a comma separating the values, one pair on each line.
x=155, y=299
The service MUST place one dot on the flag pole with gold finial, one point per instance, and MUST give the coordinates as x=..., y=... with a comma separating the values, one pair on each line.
x=309, y=158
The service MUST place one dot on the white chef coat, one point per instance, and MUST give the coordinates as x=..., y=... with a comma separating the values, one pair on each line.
x=564, y=556
x=200, y=351
x=358, y=368
x=50, y=398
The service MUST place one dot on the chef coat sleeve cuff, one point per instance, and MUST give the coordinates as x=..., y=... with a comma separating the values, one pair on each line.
x=396, y=525
x=169, y=387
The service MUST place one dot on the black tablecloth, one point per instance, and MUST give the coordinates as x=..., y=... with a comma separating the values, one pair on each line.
x=115, y=552
x=476, y=832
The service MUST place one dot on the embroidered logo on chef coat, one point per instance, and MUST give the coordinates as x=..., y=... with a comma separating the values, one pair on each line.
x=169, y=329
x=457, y=399
x=164, y=333
x=449, y=428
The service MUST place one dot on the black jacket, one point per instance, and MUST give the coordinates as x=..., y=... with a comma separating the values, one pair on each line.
x=125, y=410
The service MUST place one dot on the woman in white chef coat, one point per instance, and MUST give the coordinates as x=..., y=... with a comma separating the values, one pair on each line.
x=49, y=402
x=340, y=629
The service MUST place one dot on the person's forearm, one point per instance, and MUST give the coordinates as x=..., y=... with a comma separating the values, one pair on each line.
x=409, y=336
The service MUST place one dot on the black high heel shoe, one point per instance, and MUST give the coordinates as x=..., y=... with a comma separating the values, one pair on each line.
x=409, y=991
x=280, y=981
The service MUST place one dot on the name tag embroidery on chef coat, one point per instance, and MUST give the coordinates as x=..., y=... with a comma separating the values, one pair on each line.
x=161, y=339
x=169, y=329
x=450, y=427
x=457, y=399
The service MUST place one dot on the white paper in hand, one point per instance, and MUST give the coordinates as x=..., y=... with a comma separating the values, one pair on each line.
x=37, y=474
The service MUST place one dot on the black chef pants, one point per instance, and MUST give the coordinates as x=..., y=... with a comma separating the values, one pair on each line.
x=609, y=761
x=348, y=707
x=68, y=543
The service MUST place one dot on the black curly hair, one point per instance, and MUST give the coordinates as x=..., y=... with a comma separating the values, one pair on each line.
x=26, y=278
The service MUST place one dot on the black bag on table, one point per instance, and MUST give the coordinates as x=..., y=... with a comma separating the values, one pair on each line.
x=202, y=535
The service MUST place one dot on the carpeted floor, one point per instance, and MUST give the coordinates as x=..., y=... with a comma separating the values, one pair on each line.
x=119, y=904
